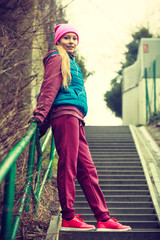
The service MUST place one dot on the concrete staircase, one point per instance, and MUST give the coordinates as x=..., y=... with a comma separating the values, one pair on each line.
x=123, y=183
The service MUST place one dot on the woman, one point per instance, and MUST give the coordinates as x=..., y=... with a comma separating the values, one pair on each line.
x=62, y=100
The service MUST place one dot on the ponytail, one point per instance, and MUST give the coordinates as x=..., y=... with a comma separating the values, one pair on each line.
x=65, y=67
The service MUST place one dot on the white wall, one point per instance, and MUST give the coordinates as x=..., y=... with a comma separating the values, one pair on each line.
x=141, y=102
x=134, y=87
x=130, y=107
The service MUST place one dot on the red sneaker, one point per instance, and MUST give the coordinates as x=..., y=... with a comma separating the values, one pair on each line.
x=76, y=224
x=112, y=225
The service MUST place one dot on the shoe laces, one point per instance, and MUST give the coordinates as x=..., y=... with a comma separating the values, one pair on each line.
x=78, y=218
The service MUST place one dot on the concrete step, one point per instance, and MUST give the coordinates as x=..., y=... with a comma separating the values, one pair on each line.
x=116, y=211
x=122, y=181
x=116, y=160
x=114, y=143
x=103, y=138
x=126, y=217
x=147, y=234
x=119, y=159
x=107, y=133
x=108, y=176
x=110, y=142
x=134, y=224
x=108, y=146
x=120, y=168
x=116, y=172
x=113, y=158
x=124, y=198
x=124, y=187
x=115, y=154
x=119, y=192
x=114, y=139
x=119, y=182
x=120, y=187
x=107, y=163
x=118, y=204
x=116, y=150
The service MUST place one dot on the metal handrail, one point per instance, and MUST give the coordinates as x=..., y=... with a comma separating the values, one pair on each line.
x=8, y=174
x=148, y=107
x=150, y=113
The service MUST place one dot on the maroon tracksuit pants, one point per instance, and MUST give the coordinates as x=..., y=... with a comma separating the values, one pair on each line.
x=75, y=161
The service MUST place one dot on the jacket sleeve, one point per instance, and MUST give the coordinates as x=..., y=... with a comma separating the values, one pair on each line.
x=50, y=87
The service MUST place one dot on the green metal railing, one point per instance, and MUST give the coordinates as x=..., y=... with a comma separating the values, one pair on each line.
x=10, y=225
x=149, y=113
x=148, y=107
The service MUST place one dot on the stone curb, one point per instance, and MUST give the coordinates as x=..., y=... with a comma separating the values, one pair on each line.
x=149, y=164
x=53, y=230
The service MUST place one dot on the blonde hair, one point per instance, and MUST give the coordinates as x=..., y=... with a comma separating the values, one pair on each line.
x=65, y=66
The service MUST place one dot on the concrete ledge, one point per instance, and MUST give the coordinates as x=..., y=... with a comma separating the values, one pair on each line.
x=147, y=158
x=156, y=178
x=53, y=230
x=151, y=144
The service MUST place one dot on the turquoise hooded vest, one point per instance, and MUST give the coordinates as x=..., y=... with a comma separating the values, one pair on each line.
x=75, y=94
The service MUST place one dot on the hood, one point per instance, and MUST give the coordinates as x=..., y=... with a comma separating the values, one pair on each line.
x=47, y=55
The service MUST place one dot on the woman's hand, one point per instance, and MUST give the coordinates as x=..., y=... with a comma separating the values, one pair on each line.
x=36, y=120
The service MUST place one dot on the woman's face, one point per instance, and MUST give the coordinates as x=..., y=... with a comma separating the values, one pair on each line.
x=69, y=42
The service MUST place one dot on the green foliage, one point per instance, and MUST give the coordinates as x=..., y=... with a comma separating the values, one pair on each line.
x=155, y=117
x=46, y=157
x=113, y=97
x=132, y=47
x=131, y=55
x=81, y=63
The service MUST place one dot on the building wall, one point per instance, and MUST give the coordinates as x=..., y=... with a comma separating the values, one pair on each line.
x=39, y=48
x=45, y=19
x=130, y=107
x=141, y=102
x=37, y=63
x=134, y=86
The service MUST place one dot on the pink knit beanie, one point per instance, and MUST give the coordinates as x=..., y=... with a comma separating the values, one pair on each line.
x=62, y=29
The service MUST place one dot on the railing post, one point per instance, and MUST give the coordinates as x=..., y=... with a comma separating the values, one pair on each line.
x=39, y=164
x=39, y=187
x=19, y=213
x=9, y=192
x=154, y=81
x=52, y=154
x=8, y=172
x=30, y=168
x=148, y=110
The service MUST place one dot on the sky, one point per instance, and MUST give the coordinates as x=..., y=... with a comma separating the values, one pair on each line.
x=105, y=27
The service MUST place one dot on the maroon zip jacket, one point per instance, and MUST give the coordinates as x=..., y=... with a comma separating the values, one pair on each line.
x=50, y=85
